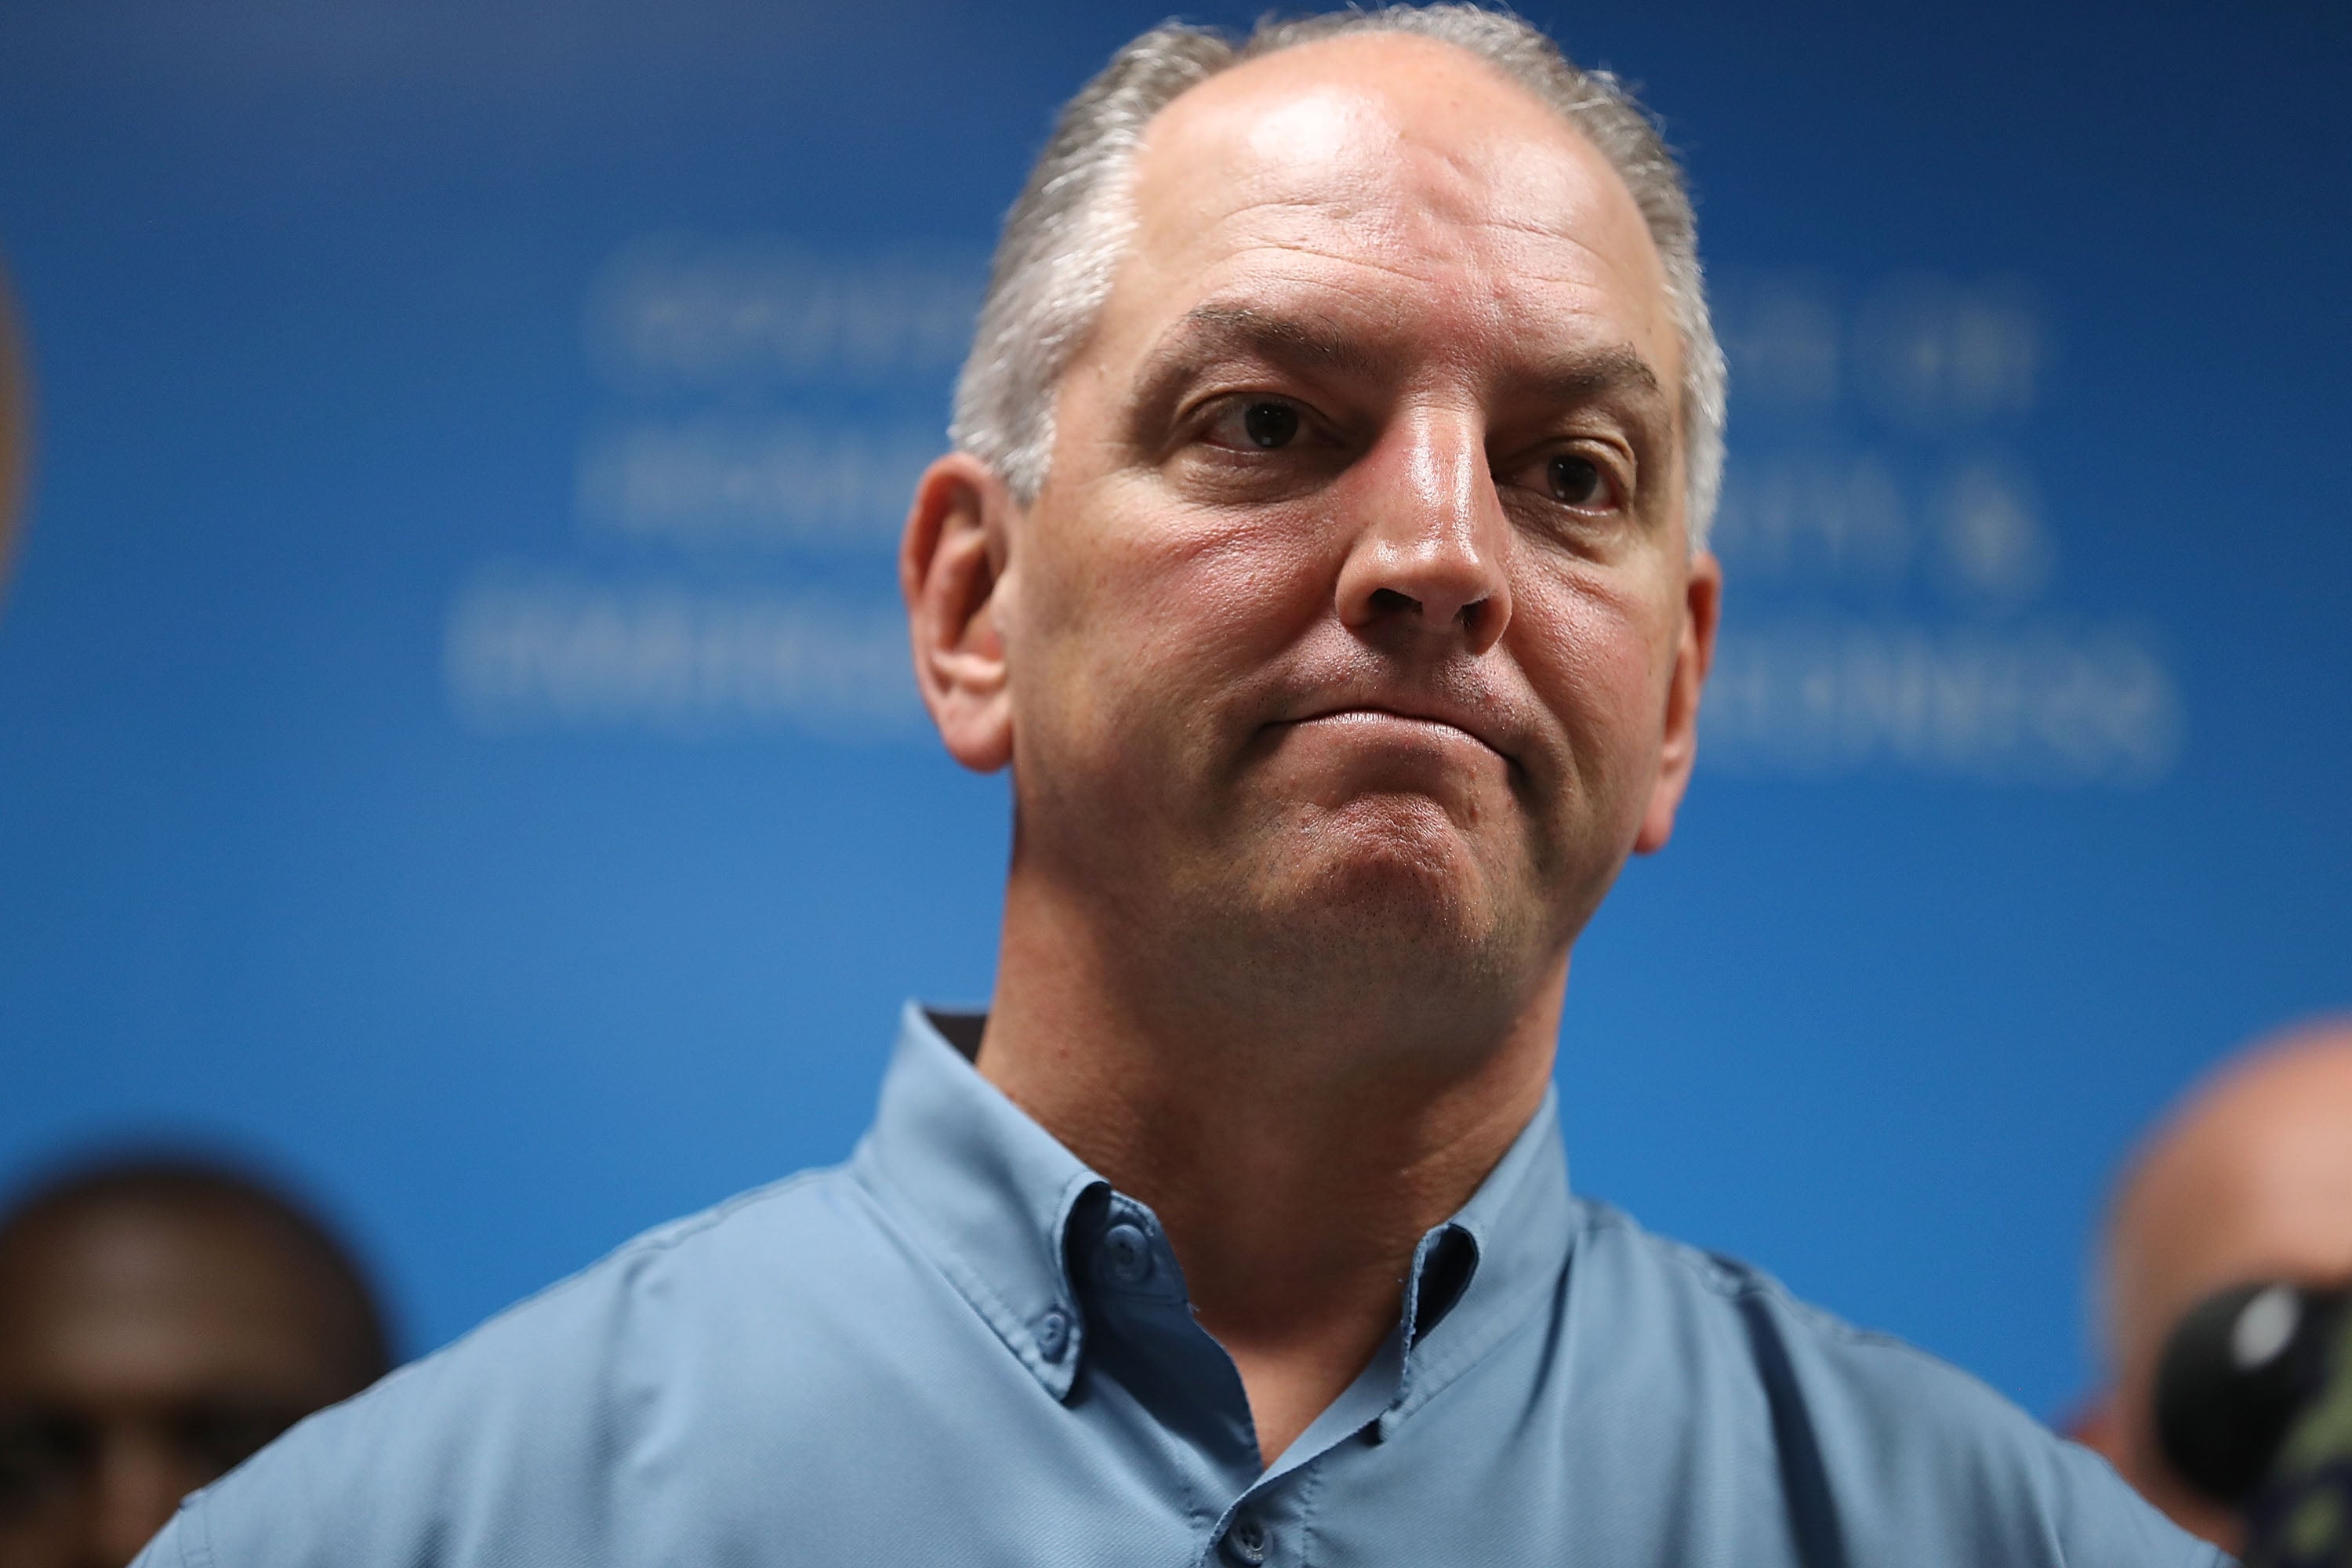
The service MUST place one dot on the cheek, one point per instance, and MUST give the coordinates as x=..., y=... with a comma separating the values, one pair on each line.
x=1143, y=618
x=1598, y=661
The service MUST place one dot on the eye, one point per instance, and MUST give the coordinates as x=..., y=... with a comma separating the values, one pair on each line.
x=1256, y=424
x=1576, y=481
x=44, y=1456
x=1270, y=424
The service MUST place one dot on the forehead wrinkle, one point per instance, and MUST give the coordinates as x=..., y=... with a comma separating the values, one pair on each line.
x=1521, y=222
x=1571, y=373
x=1403, y=217
x=1494, y=284
x=1306, y=335
x=1500, y=255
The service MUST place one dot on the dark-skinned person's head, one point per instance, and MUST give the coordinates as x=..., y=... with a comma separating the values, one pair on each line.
x=160, y=1319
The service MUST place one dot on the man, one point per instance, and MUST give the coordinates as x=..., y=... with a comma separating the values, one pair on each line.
x=159, y=1321
x=1319, y=553
x=2249, y=1178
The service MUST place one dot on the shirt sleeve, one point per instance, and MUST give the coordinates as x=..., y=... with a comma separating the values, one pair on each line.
x=487, y=1452
x=175, y=1545
x=1922, y=1462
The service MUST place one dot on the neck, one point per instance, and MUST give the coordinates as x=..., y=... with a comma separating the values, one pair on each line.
x=1295, y=1151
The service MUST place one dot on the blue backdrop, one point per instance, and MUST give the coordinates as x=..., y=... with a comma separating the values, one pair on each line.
x=455, y=740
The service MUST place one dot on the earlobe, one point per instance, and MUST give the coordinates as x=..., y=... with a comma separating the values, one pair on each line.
x=1693, y=657
x=952, y=564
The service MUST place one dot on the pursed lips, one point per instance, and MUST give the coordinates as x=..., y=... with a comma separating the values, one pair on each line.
x=1378, y=712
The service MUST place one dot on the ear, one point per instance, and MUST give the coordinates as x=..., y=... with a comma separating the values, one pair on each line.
x=1694, y=656
x=951, y=565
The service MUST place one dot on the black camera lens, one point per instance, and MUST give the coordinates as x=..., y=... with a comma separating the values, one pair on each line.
x=2235, y=1375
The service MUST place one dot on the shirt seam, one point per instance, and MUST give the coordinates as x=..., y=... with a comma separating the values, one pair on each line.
x=196, y=1533
x=1734, y=1280
x=667, y=1237
x=1318, y=1473
x=661, y=1239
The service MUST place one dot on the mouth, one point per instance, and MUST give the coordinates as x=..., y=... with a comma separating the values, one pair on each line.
x=1410, y=724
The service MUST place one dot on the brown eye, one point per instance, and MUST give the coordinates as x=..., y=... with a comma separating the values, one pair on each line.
x=1576, y=481
x=1270, y=424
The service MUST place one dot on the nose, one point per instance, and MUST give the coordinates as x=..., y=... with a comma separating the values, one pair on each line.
x=138, y=1484
x=1429, y=561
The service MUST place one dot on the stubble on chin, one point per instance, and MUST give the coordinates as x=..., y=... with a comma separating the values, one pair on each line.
x=1386, y=913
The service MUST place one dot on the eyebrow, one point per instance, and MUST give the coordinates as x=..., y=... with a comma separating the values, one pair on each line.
x=1212, y=332
x=1593, y=373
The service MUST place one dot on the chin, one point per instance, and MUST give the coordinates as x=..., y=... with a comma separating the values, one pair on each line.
x=1397, y=884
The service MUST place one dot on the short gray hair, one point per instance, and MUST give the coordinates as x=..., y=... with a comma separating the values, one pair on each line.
x=1065, y=237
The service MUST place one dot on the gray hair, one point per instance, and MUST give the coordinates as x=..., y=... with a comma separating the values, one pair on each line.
x=1063, y=239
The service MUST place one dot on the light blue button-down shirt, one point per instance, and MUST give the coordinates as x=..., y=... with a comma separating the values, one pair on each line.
x=965, y=1347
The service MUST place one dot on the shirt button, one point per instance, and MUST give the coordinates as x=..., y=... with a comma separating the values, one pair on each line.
x=1127, y=1253
x=1053, y=1333
x=1248, y=1540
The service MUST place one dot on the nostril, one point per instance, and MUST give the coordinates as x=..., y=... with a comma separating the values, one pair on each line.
x=1390, y=599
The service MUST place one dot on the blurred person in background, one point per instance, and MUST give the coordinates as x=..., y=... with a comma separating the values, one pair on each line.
x=160, y=1320
x=2248, y=1178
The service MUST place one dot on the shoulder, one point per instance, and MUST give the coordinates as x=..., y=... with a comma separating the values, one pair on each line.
x=1877, y=1444
x=518, y=1428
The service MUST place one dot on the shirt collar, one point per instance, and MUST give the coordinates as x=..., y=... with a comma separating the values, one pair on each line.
x=990, y=1194
x=989, y=1190
x=1476, y=1276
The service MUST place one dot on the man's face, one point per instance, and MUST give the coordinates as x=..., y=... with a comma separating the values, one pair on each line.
x=1353, y=604
x=144, y=1351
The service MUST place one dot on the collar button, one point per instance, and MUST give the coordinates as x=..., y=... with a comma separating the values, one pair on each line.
x=1126, y=1254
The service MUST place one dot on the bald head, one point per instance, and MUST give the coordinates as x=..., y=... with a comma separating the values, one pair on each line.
x=158, y=1322
x=1067, y=234
x=2249, y=1177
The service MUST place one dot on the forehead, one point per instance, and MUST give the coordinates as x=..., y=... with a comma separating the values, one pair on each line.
x=2259, y=1184
x=1400, y=180
x=117, y=1293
